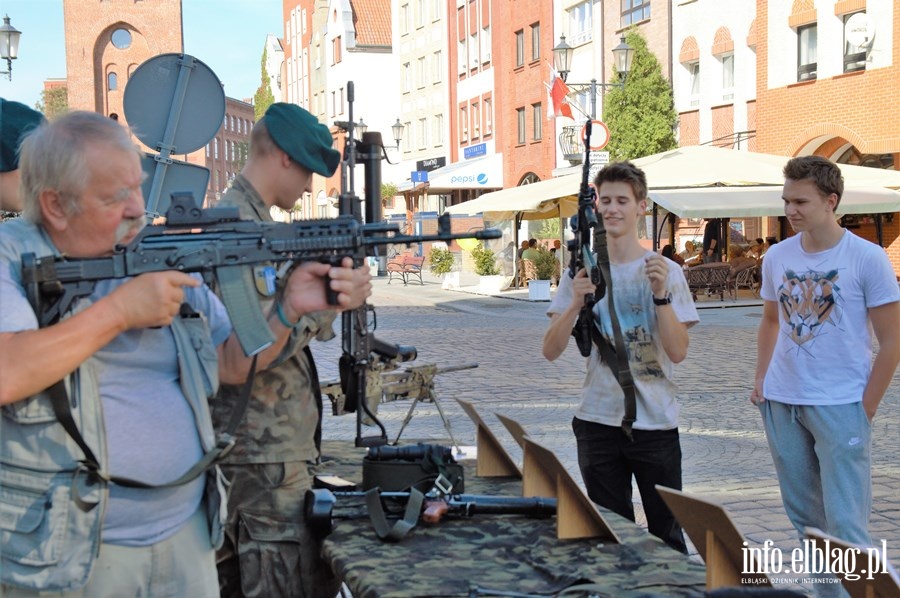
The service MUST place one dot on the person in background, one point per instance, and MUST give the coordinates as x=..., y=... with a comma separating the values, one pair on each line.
x=816, y=385
x=691, y=255
x=756, y=249
x=669, y=252
x=532, y=251
x=522, y=249
x=16, y=121
x=655, y=309
x=712, y=250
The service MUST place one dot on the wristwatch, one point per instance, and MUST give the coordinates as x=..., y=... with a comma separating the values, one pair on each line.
x=664, y=301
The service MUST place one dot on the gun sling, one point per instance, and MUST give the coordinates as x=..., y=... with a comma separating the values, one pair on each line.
x=59, y=400
x=617, y=358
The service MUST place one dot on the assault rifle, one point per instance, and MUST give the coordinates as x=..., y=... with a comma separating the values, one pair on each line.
x=320, y=504
x=583, y=225
x=587, y=228
x=216, y=243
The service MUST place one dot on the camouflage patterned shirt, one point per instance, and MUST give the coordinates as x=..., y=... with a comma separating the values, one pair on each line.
x=280, y=422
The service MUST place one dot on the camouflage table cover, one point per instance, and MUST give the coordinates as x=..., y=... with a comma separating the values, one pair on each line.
x=505, y=554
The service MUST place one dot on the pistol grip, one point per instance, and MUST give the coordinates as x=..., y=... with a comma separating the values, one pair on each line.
x=331, y=296
x=434, y=511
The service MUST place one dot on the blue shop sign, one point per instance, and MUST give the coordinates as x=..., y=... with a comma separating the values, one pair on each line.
x=473, y=151
x=419, y=176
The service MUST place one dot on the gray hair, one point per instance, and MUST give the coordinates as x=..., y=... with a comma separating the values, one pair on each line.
x=53, y=157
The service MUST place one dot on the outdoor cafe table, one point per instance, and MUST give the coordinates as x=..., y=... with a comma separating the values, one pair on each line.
x=506, y=553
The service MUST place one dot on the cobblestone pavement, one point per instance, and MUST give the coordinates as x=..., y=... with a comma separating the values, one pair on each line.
x=725, y=455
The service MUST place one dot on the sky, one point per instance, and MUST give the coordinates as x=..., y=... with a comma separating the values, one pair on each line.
x=227, y=35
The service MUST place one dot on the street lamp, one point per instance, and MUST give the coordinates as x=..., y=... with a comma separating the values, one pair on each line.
x=9, y=45
x=562, y=61
x=361, y=127
x=397, y=130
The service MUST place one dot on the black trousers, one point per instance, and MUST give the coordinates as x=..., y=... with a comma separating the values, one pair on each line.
x=608, y=460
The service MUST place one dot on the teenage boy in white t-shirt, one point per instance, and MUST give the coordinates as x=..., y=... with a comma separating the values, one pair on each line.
x=655, y=310
x=816, y=384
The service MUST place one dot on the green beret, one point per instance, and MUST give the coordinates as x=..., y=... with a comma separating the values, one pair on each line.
x=16, y=120
x=302, y=137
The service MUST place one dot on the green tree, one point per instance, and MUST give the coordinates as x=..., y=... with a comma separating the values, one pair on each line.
x=263, y=97
x=388, y=191
x=549, y=229
x=641, y=116
x=53, y=102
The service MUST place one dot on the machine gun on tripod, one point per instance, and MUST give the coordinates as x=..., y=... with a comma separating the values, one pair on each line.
x=417, y=383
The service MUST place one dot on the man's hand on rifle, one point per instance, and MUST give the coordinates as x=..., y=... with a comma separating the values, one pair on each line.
x=150, y=300
x=581, y=286
x=305, y=291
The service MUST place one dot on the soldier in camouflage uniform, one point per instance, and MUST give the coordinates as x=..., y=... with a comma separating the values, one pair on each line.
x=268, y=549
x=16, y=121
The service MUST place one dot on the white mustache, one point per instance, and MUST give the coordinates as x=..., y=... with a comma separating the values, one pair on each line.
x=129, y=225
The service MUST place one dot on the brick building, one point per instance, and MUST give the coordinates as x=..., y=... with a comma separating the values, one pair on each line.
x=227, y=152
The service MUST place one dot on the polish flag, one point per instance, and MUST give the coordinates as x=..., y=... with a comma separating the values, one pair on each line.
x=557, y=90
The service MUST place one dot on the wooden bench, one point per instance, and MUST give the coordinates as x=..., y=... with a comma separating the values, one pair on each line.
x=405, y=266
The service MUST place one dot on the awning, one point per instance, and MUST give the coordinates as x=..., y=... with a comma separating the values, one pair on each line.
x=748, y=202
x=481, y=173
x=536, y=201
x=699, y=182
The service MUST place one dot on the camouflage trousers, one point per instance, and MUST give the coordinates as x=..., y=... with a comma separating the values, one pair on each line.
x=268, y=549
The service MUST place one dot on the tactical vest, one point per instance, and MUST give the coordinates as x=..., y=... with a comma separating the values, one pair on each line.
x=51, y=510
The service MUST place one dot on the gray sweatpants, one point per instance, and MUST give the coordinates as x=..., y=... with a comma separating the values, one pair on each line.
x=822, y=456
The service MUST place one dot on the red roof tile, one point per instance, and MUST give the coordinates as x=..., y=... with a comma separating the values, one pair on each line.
x=372, y=21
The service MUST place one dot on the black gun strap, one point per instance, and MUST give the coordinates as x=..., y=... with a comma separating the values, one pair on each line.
x=617, y=357
x=317, y=394
x=403, y=526
x=59, y=400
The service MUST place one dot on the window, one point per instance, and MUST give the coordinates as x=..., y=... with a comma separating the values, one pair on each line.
x=420, y=13
x=694, y=69
x=461, y=60
x=333, y=104
x=855, y=55
x=420, y=72
x=207, y=150
x=476, y=120
x=520, y=47
x=404, y=19
x=112, y=81
x=635, y=11
x=406, y=84
x=216, y=148
x=423, y=132
x=581, y=22
x=485, y=45
x=582, y=99
x=538, y=119
x=337, y=49
x=520, y=120
x=488, y=116
x=303, y=21
x=121, y=38
x=806, y=53
x=728, y=77
x=407, y=143
x=473, y=51
x=535, y=42
x=436, y=67
x=341, y=100
x=438, y=129
x=463, y=124
x=437, y=10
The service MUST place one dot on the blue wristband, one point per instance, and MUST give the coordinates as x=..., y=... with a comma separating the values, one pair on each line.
x=283, y=318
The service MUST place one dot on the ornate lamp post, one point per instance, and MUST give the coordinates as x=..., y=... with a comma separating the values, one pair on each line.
x=562, y=61
x=9, y=45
